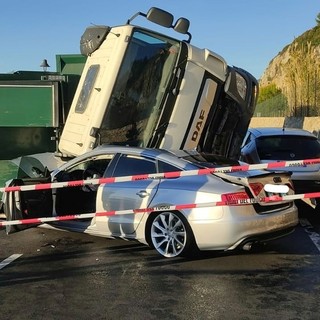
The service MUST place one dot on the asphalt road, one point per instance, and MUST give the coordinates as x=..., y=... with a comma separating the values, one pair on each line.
x=53, y=274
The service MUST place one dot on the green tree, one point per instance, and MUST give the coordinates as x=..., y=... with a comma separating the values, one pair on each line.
x=318, y=19
x=268, y=92
x=271, y=102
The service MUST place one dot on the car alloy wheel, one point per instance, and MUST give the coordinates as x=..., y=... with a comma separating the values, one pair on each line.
x=170, y=235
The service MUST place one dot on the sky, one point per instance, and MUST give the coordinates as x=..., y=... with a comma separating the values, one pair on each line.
x=246, y=33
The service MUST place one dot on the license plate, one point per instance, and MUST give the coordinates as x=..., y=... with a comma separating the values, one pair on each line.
x=276, y=189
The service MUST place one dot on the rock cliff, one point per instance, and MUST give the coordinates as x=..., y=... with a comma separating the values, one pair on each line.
x=305, y=49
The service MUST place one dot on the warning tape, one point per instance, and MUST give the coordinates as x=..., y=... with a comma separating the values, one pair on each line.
x=165, y=175
x=161, y=208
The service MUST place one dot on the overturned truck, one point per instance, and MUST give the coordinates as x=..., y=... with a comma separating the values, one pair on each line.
x=143, y=88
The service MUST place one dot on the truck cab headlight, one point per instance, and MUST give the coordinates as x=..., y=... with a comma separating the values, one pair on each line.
x=241, y=85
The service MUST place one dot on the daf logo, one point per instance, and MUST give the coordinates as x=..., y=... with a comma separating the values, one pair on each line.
x=277, y=180
x=198, y=126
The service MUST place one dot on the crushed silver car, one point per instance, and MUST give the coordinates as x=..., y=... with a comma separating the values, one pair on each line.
x=171, y=233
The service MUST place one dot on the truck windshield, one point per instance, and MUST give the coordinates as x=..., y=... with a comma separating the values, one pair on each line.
x=137, y=98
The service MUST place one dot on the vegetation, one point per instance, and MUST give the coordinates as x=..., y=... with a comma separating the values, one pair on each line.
x=268, y=92
x=302, y=73
x=298, y=93
x=274, y=106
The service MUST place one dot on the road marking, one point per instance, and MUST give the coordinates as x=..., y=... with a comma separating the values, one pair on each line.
x=314, y=236
x=10, y=259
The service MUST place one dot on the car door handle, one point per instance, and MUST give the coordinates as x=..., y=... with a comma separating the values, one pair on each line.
x=142, y=193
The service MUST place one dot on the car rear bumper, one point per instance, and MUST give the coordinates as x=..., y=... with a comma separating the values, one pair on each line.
x=235, y=229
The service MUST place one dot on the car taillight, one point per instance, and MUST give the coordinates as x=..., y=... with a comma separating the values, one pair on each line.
x=256, y=187
x=234, y=197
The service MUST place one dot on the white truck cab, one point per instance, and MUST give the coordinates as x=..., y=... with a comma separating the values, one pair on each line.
x=143, y=88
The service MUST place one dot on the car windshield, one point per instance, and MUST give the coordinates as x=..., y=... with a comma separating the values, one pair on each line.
x=288, y=148
x=135, y=106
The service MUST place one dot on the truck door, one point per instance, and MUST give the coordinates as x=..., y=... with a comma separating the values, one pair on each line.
x=93, y=93
x=76, y=134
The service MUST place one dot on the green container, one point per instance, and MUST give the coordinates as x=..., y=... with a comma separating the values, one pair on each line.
x=34, y=106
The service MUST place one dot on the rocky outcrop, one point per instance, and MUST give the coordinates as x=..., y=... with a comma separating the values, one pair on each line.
x=275, y=72
x=295, y=75
x=305, y=49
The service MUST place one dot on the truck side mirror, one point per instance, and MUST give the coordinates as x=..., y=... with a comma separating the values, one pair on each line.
x=161, y=17
x=182, y=25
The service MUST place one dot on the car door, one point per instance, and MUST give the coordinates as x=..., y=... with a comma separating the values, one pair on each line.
x=19, y=205
x=82, y=198
x=126, y=195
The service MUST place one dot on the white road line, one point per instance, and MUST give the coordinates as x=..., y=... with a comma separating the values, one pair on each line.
x=13, y=257
x=314, y=236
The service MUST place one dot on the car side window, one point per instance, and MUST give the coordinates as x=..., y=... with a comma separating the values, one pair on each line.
x=166, y=167
x=87, y=169
x=133, y=165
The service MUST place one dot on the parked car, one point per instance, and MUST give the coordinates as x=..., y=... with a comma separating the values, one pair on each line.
x=171, y=232
x=262, y=145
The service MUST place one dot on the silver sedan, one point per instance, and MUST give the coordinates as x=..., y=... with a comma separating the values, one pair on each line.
x=171, y=228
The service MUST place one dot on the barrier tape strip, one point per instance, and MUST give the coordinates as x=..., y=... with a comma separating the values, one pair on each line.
x=161, y=208
x=173, y=174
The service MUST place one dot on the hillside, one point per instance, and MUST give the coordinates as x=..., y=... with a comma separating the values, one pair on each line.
x=292, y=78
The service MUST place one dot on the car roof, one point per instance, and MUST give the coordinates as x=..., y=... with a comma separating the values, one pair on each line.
x=160, y=154
x=276, y=131
x=152, y=152
x=187, y=159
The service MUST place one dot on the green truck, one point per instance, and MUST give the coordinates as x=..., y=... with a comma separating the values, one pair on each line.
x=34, y=106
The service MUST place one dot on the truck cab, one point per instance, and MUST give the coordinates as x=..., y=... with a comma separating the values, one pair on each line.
x=143, y=88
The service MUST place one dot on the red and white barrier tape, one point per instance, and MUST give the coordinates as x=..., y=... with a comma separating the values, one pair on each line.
x=174, y=174
x=160, y=208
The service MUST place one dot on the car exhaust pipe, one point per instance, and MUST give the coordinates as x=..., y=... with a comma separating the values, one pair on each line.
x=253, y=246
x=247, y=246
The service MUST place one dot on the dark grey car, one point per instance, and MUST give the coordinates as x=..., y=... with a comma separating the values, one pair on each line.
x=262, y=145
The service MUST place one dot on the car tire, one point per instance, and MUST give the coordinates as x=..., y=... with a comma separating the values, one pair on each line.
x=170, y=234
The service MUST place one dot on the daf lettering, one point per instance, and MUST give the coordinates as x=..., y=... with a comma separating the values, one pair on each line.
x=198, y=126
